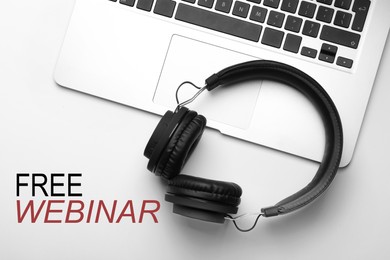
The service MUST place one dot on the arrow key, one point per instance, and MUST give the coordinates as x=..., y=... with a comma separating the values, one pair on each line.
x=309, y=52
x=328, y=53
x=344, y=62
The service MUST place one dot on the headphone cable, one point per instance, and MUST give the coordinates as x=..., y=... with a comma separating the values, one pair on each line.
x=234, y=219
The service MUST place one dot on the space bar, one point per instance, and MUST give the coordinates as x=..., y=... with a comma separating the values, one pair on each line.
x=218, y=22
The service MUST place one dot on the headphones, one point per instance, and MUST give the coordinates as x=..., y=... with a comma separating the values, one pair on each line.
x=178, y=133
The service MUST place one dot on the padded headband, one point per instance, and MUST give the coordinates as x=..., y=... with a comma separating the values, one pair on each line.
x=275, y=71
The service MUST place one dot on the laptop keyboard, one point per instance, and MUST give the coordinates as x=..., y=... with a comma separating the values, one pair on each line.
x=279, y=24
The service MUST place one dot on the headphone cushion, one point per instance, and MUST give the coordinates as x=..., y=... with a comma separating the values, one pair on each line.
x=206, y=189
x=182, y=144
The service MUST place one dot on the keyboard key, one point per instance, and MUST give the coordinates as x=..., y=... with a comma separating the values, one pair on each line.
x=218, y=22
x=344, y=62
x=255, y=1
x=292, y=43
x=339, y=36
x=330, y=49
x=145, y=5
x=241, y=9
x=360, y=7
x=309, y=52
x=272, y=37
x=342, y=19
x=275, y=19
x=325, y=14
x=311, y=29
x=127, y=2
x=307, y=9
x=326, y=57
x=328, y=53
x=271, y=3
x=165, y=7
x=258, y=14
x=190, y=1
x=293, y=23
x=206, y=3
x=223, y=5
x=344, y=4
x=328, y=2
x=290, y=6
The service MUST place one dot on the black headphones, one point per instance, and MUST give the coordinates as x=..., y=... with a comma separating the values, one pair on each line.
x=178, y=133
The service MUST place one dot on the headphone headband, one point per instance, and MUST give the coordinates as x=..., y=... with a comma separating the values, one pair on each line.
x=178, y=133
x=275, y=71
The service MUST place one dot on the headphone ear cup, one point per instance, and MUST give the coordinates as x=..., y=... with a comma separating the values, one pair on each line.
x=203, y=199
x=181, y=145
x=158, y=134
x=161, y=136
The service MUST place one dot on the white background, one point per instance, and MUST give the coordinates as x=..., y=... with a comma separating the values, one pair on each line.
x=46, y=128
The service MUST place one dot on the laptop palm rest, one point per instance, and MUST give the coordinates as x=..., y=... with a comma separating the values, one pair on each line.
x=191, y=60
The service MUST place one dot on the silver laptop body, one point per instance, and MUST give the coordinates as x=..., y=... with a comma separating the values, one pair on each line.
x=138, y=52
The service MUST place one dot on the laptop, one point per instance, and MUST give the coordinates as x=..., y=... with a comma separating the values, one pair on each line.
x=137, y=52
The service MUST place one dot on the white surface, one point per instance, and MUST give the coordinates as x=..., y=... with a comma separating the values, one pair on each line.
x=45, y=128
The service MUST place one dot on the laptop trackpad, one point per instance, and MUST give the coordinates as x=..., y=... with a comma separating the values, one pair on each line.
x=191, y=60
